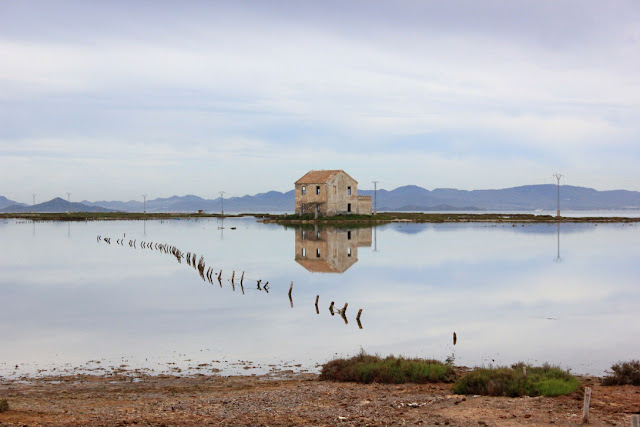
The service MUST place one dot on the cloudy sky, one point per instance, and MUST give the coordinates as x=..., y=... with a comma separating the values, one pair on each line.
x=112, y=99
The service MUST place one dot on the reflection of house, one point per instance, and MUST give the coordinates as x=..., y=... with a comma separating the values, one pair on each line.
x=330, y=250
x=330, y=192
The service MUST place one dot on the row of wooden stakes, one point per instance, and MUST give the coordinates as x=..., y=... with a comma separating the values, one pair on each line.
x=207, y=273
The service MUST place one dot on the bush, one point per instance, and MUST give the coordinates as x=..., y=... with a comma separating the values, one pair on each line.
x=544, y=380
x=624, y=373
x=365, y=368
x=4, y=405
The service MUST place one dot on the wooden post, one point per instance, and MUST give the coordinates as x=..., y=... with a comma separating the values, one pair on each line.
x=587, y=403
x=455, y=338
x=241, y=278
x=358, y=316
x=317, y=309
x=635, y=420
x=290, y=289
x=233, y=275
x=331, y=307
x=344, y=309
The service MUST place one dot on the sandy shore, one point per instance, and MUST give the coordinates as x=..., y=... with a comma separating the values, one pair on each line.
x=296, y=399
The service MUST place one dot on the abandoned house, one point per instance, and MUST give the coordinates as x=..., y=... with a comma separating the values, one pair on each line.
x=330, y=192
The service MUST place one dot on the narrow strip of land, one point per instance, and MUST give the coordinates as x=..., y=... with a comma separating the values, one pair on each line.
x=381, y=218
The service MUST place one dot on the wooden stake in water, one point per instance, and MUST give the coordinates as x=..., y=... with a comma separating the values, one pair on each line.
x=290, y=289
x=455, y=338
x=587, y=403
x=241, y=278
x=317, y=309
x=358, y=316
x=331, y=307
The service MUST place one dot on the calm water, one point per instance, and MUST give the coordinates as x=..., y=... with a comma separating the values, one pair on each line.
x=567, y=295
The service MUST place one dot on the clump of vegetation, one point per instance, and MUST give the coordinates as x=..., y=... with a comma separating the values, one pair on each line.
x=366, y=368
x=4, y=405
x=624, y=373
x=518, y=380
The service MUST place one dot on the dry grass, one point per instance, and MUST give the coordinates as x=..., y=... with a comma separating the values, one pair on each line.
x=516, y=381
x=365, y=368
x=624, y=373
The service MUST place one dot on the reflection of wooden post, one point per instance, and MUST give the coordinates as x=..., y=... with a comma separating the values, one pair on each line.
x=331, y=307
x=233, y=275
x=241, y=278
x=358, y=316
x=220, y=278
x=290, y=289
x=344, y=317
x=291, y=300
x=317, y=298
x=587, y=402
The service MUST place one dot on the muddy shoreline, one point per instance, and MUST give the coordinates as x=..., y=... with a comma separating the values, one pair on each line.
x=290, y=399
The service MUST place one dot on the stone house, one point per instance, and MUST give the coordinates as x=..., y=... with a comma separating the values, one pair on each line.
x=330, y=192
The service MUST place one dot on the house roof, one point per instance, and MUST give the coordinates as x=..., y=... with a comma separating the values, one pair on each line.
x=323, y=266
x=320, y=177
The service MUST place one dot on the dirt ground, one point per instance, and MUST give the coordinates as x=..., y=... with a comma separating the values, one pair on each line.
x=299, y=399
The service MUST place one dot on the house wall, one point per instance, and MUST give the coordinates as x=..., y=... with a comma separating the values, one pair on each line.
x=311, y=198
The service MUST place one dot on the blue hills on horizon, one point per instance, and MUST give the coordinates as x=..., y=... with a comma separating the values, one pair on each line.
x=405, y=198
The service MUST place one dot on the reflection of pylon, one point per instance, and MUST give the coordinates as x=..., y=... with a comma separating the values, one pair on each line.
x=558, y=257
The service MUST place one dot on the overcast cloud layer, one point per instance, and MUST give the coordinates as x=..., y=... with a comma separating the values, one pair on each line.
x=112, y=99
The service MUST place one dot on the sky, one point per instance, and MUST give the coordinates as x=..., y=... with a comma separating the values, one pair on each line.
x=109, y=100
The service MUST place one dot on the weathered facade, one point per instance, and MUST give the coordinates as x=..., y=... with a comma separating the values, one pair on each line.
x=330, y=250
x=330, y=192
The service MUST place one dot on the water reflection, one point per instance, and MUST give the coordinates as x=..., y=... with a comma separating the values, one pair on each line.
x=558, y=257
x=330, y=250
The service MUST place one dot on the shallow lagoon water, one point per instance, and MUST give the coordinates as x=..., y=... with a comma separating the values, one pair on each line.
x=567, y=295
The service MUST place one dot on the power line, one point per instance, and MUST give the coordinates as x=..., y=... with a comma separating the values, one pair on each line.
x=558, y=176
x=222, y=202
x=375, y=197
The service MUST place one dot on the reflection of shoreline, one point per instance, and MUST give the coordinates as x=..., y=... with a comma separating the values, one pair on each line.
x=330, y=250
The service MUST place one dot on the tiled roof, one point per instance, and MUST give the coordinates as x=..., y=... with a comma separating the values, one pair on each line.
x=319, y=177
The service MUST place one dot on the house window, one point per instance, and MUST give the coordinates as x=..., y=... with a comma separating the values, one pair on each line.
x=318, y=252
x=349, y=235
x=349, y=191
x=304, y=190
x=348, y=207
x=304, y=252
x=348, y=251
x=317, y=189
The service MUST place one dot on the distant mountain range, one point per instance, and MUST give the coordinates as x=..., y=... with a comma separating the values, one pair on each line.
x=4, y=202
x=54, y=205
x=407, y=198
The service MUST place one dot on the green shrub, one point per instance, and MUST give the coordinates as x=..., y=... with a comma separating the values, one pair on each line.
x=504, y=381
x=624, y=373
x=365, y=368
x=4, y=405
